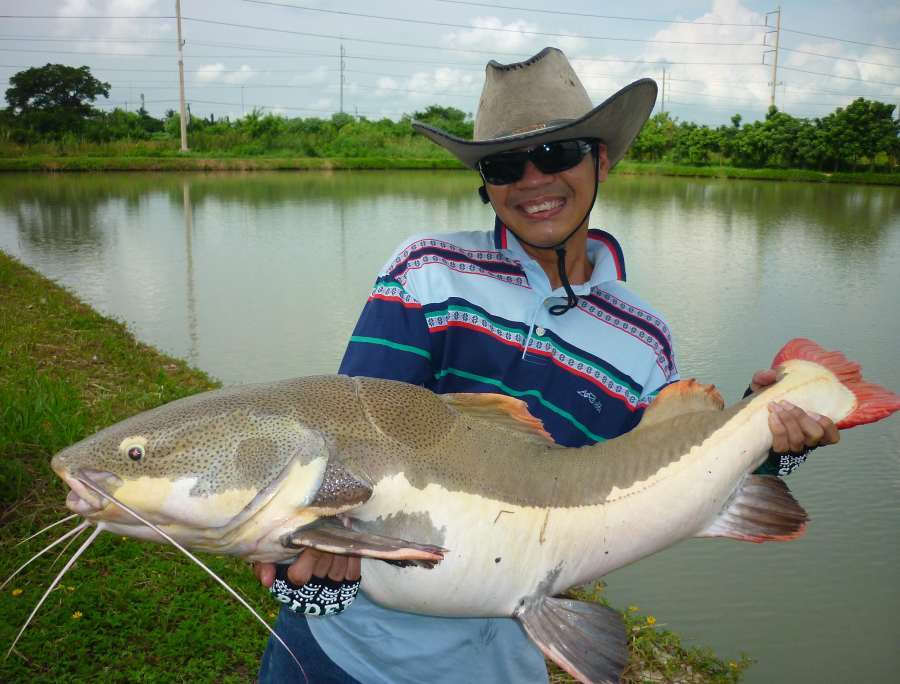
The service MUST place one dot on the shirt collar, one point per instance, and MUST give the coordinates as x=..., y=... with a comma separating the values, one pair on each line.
x=604, y=251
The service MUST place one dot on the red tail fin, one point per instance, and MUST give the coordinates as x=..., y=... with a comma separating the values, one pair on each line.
x=874, y=402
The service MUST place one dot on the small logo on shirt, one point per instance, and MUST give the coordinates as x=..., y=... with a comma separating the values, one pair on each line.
x=592, y=399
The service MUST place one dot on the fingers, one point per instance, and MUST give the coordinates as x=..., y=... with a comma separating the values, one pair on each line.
x=832, y=434
x=265, y=573
x=312, y=562
x=353, y=568
x=762, y=378
x=794, y=430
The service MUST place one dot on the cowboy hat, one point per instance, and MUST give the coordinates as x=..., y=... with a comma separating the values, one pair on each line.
x=542, y=100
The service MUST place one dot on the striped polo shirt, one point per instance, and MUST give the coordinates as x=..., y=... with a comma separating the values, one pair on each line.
x=469, y=312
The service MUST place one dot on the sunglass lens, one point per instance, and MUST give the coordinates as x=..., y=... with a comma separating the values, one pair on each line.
x=558, y=156
x=502, y=169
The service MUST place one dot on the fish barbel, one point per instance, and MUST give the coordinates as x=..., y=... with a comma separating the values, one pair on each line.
x=480, y=512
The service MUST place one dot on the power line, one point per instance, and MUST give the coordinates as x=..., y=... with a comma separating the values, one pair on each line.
x=845, y=78
x=843, y=59
x=495, y=29
x=842, y=40
x=70, y=16
x=672, y=21
x=596, y=16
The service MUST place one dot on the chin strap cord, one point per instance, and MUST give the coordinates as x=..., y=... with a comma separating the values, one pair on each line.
x=571, y=297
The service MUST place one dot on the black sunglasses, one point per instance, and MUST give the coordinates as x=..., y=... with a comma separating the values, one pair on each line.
x=549, y=157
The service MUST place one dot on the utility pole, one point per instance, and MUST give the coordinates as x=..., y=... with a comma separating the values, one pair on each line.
x=143, y=109
x=777, y=33
x=184, y=145
x=662, y=103
x=342, y=77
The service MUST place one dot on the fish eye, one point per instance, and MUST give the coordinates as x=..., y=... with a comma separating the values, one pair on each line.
x=135, y=447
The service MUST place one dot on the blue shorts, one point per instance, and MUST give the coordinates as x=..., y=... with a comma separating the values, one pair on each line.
x=277, y=665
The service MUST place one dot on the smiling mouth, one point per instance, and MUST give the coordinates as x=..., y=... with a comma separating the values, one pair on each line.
x=542, y=207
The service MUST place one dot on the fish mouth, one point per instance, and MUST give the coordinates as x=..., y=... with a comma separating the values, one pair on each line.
x=85, y=501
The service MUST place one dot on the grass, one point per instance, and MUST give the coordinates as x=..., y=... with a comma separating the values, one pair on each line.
x=197, y=162
x=204, y=162
x=665, y=169
x=131, y=611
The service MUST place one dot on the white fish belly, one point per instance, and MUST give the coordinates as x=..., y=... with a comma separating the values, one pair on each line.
x=500, y=553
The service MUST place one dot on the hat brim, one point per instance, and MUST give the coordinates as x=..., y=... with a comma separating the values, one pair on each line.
x=616, y=121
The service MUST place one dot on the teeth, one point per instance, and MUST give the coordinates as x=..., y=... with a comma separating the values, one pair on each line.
x=543, y=206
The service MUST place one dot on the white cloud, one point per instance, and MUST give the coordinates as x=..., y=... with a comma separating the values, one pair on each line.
x=210, y=73
x=240, y=76
x=129, y=33
x=709, y=92
x=482, y=37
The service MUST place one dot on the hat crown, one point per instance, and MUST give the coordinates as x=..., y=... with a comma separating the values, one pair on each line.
x=540, y=92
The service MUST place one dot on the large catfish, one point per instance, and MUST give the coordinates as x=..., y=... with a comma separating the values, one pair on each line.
x=479, y=512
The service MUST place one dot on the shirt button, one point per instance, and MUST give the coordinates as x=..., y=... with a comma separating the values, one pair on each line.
x=540, y=331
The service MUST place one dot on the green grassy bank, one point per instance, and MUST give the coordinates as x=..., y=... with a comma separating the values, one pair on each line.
x=198, y=162
x=133, y=611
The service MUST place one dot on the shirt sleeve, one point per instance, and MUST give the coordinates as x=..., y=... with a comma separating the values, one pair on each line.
x=391, y=338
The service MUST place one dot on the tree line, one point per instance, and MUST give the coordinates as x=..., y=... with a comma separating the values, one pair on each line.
x=50, y=108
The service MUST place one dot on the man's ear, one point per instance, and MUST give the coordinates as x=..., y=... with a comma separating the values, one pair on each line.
x=603, y=170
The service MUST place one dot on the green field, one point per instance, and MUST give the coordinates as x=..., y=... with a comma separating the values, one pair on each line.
x=198, y=162
x=133, y=611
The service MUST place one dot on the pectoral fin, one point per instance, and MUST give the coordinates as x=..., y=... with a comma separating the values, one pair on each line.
x=501, y=410
x=762, y=509
x=587, y=640
x=334, y=538
x=680, y=398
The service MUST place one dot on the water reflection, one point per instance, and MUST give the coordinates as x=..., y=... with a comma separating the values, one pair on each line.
x=837, y=213
x=189, y=253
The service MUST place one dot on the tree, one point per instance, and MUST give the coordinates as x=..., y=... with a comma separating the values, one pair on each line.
x=54, y=98
x=655, y=138
x=450, y=119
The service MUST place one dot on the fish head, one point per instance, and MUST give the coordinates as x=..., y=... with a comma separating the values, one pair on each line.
x=198, y=462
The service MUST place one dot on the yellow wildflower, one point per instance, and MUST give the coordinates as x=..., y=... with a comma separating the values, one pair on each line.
x=70, y=588
x=271, y=614
x=732, y=664
x=632, y=609
x=77, y=615
x=16, y=592
x=651, y=620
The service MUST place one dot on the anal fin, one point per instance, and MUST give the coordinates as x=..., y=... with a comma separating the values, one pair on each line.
x=334, y=538
x=587, y=640
x=763, y=509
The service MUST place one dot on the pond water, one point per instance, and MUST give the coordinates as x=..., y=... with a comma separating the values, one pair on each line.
x=255, y=277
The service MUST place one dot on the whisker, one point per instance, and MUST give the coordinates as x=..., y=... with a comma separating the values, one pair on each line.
x=62, y=551
x=69, y=564
x=89, y=483
x=74, y=531
x=58, y=522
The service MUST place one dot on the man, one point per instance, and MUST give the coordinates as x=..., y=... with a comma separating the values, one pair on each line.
x=535, y=309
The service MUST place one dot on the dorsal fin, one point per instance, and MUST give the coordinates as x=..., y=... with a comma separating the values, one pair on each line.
x=679, y=398
x=500, y=409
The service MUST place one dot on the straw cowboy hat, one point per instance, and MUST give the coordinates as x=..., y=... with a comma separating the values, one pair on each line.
x=543, y=100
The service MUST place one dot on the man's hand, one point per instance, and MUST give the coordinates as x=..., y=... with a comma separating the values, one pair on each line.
x=793, y=429
x=312, y=563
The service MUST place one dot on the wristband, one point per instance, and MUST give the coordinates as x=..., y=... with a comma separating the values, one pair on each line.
x=319, y=596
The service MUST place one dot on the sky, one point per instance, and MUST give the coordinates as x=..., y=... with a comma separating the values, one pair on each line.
x=284, y=56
